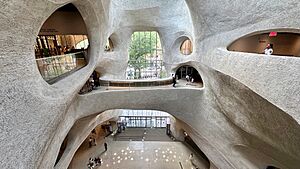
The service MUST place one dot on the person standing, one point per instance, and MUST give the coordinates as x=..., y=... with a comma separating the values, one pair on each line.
x=269, y=49
x=90, y=142
x=96, y=79
x=192, y=160
x=187, y=77
x=105, y=146
x=94, y=142
x=174, y=80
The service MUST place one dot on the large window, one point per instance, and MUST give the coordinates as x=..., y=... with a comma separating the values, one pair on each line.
x=61, y=45
x=145, y=56
x=145, y=118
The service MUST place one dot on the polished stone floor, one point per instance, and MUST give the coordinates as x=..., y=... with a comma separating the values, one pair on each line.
x=138, y=155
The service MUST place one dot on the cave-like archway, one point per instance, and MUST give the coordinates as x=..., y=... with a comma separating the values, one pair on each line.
x=186, y=70
x=94, y=129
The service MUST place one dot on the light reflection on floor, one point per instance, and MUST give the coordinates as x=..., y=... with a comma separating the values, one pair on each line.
x=139, y=154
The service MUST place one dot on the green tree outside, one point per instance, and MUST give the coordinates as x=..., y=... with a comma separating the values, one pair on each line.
x=143, y=46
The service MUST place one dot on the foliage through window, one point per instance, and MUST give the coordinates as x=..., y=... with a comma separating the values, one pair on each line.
x=145, y=56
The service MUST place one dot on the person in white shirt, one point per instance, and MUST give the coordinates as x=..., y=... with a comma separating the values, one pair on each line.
x=269, y=49
x=187, y=78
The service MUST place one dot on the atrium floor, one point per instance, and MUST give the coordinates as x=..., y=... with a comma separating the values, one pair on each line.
x=138, y=155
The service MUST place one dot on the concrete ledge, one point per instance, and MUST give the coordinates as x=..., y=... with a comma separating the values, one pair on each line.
x=136, y=83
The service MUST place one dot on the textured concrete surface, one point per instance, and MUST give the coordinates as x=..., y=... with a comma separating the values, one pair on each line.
x=248, y=108
x=79, y=132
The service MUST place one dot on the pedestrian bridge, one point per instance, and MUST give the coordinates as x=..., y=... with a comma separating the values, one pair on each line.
x=165, y=98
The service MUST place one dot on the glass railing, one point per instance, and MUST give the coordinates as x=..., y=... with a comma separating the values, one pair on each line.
x=58, y=66
x=135, y=83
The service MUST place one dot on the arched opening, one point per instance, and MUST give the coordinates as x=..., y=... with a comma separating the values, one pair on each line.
x=186, y=47
x=61, y=45
x=130, y=135
x=109, y=46
x=281, y=43
x=145, y=56
x=189, y=73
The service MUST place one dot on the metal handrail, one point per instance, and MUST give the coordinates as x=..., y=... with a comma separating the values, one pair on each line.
x=57, y=56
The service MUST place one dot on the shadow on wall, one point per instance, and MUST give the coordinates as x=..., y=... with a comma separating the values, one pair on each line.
x=62, y=149
x=255, y=158
x=256, y=116
x=272, y=167
x=189, y=141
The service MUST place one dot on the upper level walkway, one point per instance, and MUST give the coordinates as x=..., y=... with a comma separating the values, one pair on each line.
x=128, y=85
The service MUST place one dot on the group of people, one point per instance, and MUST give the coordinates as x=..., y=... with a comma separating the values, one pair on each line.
x=97, y=161
x=94, y=162
x=189, y=78
x=91, y=84
x=94, y=81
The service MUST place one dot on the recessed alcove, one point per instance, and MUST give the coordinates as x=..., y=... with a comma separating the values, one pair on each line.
x=282, y=43
x=190, y=72
x=186, y=47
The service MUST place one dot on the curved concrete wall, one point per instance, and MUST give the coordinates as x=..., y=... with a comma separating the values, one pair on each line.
x=249, y=100
x=79, y=132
